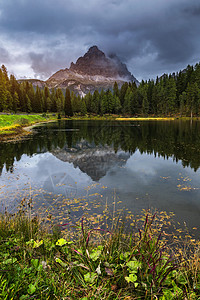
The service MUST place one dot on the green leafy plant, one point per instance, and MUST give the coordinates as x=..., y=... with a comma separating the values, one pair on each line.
x=95, y=264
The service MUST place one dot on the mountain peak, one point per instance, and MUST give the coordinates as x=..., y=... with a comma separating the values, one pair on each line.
x=95, y=62
x=94, y=49
x=91, y=63
x=93, y=70
x=95, y=53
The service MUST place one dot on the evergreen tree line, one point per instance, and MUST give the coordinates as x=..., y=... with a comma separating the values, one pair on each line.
x=170, y=94
x=22, y=97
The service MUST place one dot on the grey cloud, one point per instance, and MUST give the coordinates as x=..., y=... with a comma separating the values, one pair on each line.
x=192, y=8
x=163, y=34
x=39, y=64
x=4, y=55
x=43, y=63
x=43, y=17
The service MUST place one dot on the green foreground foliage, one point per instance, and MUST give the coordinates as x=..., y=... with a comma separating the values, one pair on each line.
x=85, y=261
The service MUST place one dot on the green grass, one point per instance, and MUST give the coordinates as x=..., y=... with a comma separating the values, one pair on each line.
x=13, y=124
x=9, y=120
x=84, y=261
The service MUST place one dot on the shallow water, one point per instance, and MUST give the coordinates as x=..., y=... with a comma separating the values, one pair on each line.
x=81, y=166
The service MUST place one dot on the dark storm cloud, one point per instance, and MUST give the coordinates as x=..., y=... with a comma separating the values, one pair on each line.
x=192, y=8
x=153, y=36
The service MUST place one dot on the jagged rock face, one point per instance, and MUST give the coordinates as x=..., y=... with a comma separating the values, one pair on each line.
x=94, y=62
x=92, y=71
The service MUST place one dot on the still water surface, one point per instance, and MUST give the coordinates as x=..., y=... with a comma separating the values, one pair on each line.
x=79, y=166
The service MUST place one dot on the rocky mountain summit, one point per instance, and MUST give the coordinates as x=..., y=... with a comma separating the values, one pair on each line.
x=95, y=62
x=93, y=71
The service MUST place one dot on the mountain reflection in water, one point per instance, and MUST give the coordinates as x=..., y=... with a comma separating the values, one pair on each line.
x=179, y=140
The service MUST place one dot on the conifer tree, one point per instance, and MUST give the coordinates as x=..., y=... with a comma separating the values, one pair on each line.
x=127, y=101
x=53, y=101
x=117, y=105
x=38, y=100
x=49, y=104
x=46, y=96
x=83, y=108
x=68, y=106
x=95, y=107
x=31, y=96
x=171, y=95
x=182, y=101
x=115, y=89
x=28, y=104
x=193, y=98
x=122, y=93
x=88, y=102
x=15, y=102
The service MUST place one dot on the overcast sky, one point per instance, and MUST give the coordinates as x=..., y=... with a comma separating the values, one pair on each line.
x=39, y=37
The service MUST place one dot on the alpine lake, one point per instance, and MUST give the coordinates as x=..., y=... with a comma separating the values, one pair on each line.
x=74, y=168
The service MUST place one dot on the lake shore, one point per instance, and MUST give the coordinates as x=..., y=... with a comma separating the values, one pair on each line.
x=17, y=126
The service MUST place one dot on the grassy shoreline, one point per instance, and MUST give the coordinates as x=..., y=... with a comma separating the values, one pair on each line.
x=19, y=125
x=83, y=261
